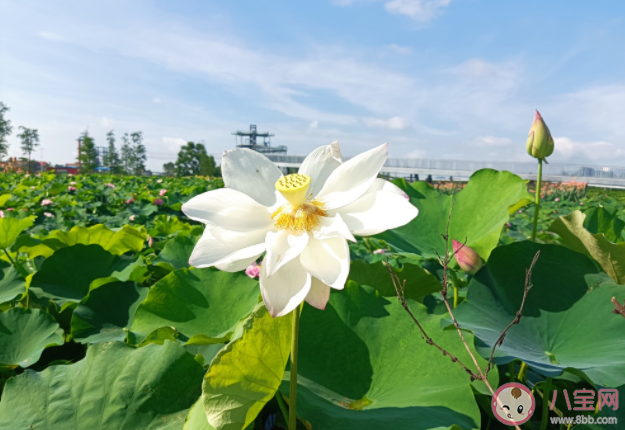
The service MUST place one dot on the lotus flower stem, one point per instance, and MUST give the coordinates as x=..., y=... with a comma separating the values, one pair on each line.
x=521, y=375
x=293, y=392
x=545, y=415
x=537, y=198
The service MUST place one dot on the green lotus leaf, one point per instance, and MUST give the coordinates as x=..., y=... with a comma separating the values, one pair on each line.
x=247, y=373
x=65, y=277
x=105, y=314
x=196, y=301
x=479, y=213
x=567, y=321
x=24, y=334
x=363, y=364
x=10, y=229
x=12, y=285
x=609, y=255
x=114, y=387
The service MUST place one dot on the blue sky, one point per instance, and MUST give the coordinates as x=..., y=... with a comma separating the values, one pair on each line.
x=455, y=79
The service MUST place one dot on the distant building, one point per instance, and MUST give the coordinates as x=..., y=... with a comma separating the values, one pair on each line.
x=249, y=139
x=59, y=169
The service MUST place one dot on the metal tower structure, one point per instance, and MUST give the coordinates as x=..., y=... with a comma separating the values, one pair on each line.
x=249, y=139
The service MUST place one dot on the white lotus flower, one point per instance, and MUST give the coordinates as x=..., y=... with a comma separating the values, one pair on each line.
x=302, y=221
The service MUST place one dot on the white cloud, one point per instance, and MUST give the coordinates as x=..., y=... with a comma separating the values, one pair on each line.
x=313, y=125
x=603, y=152
x=156, y=100
x=394, y=123
x=107, y=122
x=174, y=143
x=48, y=35
x=492, y=141
x=398, y=49
x=418, y=10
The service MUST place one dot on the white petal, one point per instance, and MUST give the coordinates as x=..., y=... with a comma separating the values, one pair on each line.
x=319, y=294
x=384, y=185
x=228, y=209
x=286, y=289
x=376, y=212
x=225, y=247
x=320, y=164
x=353, y=178
x=230, y=265
x=251, y=173
x=333, y=226
x=282, y=247
x=327, y=260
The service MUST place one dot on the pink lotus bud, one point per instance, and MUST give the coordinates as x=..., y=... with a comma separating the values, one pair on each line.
x=379, y=251
x=557, y=199
x=48, y=214
x=1, y=214
x=162, y=192
x=158, y=202
x=539, y=142
x=46, y=202
x=108, y=184
x=253, y=270
x=10, y=209
x=70, y=188
x=150, y=241
x=132, y=217
x=468, y=260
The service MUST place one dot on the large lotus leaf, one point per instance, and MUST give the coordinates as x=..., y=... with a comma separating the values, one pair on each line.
x=605, y=220
x=609, y=255
x=479, y=213
x=567, y=320
x=118, y=242
x=246, y=374
x=177, y=251
x=12, y=285
x=24, y=334
x=66, y=275
x=114, y=387
x=196, y=301
x=419, y=282
x=10, y=229
x=364, y=365
x=196, y=418
x=106, y=312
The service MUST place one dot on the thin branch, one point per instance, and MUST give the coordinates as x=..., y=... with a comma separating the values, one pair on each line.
x=400, y=289
x=517, y=318
x=618, y=308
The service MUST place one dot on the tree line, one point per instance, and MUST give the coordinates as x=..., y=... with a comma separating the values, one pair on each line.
x=192, y=158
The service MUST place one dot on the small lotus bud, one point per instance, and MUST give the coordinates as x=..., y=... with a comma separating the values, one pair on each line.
x=539, y=142
x=468, y=260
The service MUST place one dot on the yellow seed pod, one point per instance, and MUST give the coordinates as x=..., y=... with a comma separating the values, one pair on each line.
x=294, y=188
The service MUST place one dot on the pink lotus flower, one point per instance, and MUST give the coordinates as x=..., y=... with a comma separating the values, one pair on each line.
x=27, y=175
x=468, y=260
x=70, y=188
x=32, y=188
x=253, y=270
x=158, y=202
x=48, y=214
x=69, y=175
x=520, y=211
x=150, y=241
x=581, y=203
x=162, y=192
x=557, y=199
x=379, y=251
x=73, y=183
x=508, y=225
x=10, y=209
x=46, y=202
x=160, y=181
x=130, y=200
x=108, y=184
x=1, y=214
x=132, y=217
